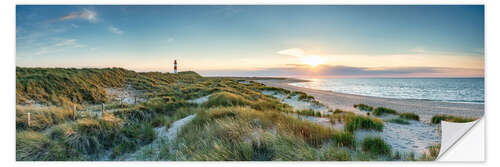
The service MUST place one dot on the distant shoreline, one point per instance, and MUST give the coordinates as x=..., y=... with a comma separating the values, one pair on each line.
x=290, y=80
x=425, y=108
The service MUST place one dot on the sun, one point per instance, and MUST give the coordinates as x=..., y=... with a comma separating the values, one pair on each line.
x=313, y=60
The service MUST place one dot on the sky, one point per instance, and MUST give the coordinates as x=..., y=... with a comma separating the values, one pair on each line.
x=221, y=40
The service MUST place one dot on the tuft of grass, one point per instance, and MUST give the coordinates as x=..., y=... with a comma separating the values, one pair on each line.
x=432, y=153
x=409, y=116
x=341, y=117
x=309, y=112
x=375, y=145
x=399, y=121
x=337, y=111
x=344, y=139
x=41, y=117
x=226, y=99
x=31, y=145
x=363, y=107
x=382, y=110
x=436, y=119
x=363, y=122
x=333, y=153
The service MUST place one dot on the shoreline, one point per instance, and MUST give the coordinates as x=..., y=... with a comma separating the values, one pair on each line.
x=424, y=108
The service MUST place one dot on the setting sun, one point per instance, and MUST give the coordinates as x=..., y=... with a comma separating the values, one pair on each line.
x=313, y=60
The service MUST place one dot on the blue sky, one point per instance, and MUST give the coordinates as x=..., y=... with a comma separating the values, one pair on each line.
x=314, y=41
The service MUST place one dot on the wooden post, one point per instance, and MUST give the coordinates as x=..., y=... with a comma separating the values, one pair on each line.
x=102, y=107
x=29, y=119
x=135, y=100
x=74, y=112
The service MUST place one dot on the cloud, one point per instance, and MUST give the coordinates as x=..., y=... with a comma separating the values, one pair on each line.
x=299, y=70
x=59, y=46
x=115, y=30
x=67, y=42
x=86, y=14
x=297, y=52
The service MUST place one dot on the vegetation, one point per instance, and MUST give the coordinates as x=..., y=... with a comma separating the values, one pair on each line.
x=436, y=119
x=363, y=107
x=399, y=121
x=237, y=122
x=337, y=111
x=363, y=122
x=226, y=99
x=409, y=116
x=375, y=145
x=309, y=112
x=382, y=110
x=41, y=117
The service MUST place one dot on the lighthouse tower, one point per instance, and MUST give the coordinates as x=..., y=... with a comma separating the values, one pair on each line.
x=175, y=66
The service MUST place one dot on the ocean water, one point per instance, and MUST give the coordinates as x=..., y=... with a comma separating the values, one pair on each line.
x=459, y=90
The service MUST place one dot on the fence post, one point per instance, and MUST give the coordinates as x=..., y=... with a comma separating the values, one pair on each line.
x=102, y=108
x=74, y=112
x=135, y=100
x=29, y=119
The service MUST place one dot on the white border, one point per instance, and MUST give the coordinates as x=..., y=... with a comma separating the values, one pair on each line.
x=7, y=100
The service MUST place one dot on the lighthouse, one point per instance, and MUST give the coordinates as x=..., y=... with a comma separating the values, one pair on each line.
x=175, y=66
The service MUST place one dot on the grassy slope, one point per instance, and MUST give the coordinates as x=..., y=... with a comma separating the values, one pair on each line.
x=237, y=123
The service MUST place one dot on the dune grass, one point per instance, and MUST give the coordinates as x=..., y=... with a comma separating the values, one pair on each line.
x=382, y=110
x=363, y=122
x=432, y=153
x=436, y=119
x=409, y=116
x=41, y=117
x=363, y=107
x=375, y=145
x=399, y=121
x=242, y=133
x=309, y=112
x=226, y=99
x=237, y=122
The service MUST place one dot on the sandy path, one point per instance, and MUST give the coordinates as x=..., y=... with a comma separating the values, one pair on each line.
x=152, y=150
x=425, y=108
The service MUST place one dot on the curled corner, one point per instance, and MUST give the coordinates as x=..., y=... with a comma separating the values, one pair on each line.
x=451, y=132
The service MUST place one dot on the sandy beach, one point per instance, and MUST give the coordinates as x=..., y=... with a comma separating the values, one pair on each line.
x=424, y=108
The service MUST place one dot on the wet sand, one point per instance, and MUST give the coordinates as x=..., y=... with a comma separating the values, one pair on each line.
x=424, y=108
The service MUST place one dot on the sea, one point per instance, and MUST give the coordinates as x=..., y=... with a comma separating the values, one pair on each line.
x=456, y=90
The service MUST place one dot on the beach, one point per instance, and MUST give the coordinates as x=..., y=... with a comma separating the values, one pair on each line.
x=424, y=108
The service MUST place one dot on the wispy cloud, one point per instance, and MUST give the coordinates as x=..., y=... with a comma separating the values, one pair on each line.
x=115, y=30
x=297, y=52
x=59, y=46
x=86, y=14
